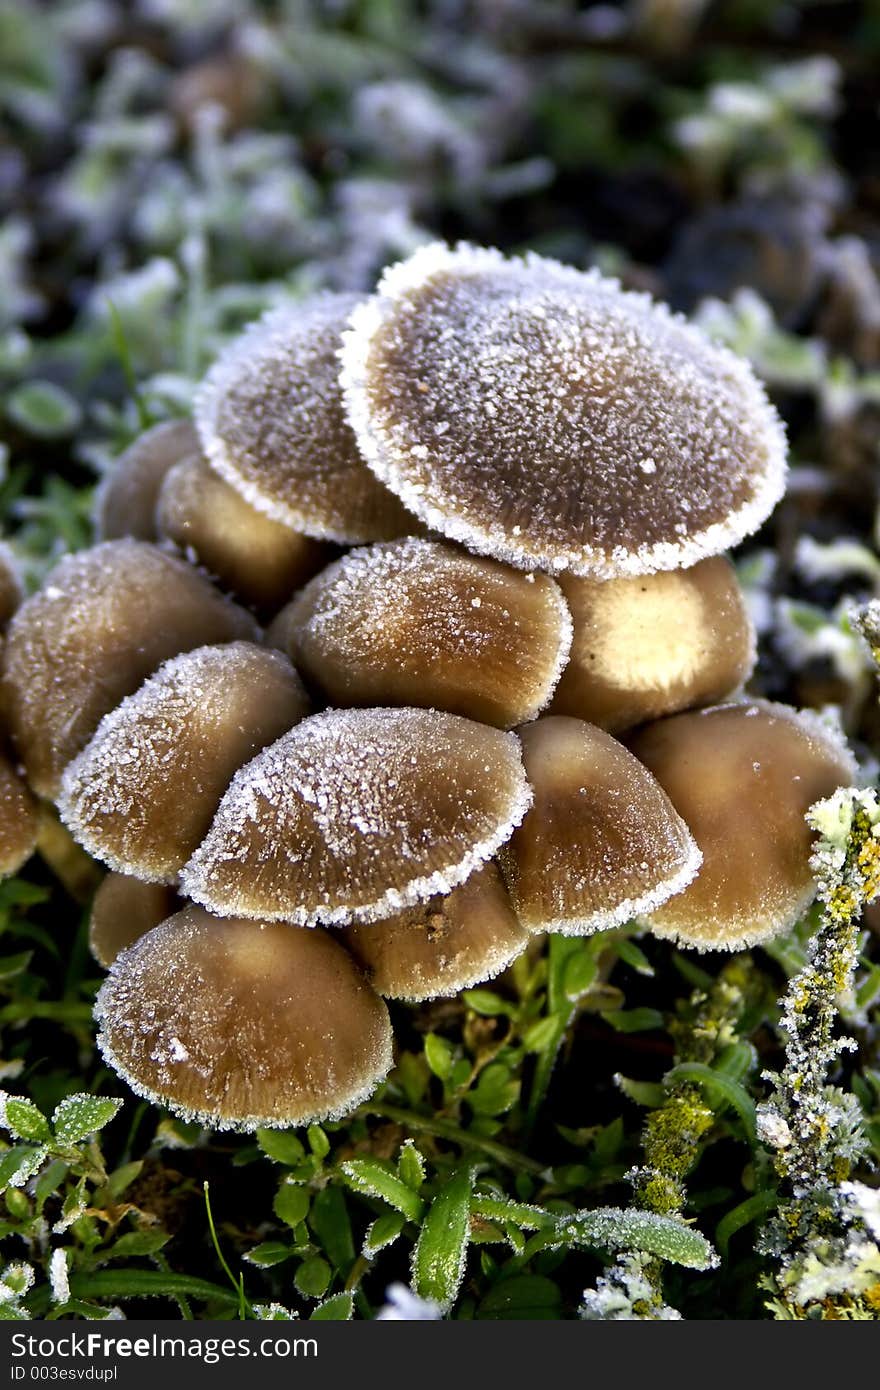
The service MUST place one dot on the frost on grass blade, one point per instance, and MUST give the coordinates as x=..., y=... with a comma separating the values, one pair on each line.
x=601, y=842
x=240, y=1024
x=356, y=814
x=543, y=415
x=269, y=416
x=743, y=775
x=103, y=621
x=143, y=792
x=414, y=622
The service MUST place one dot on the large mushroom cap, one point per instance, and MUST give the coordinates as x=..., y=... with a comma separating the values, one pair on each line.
x=243, y=1024
x=144, y=790
x=602, y=841
x=654, y=645
x=269, y=415
x=545, y=416
x=125, y=503
x=441, y=946
x=104, y=620
x=743, y=777
x=257, y=558
x=356, y=814
x=123, y=909
x=417, y=622
x=19, y=818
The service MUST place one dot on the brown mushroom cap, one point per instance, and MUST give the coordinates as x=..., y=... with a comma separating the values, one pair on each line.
x=356, y=814
x=654, y=645
x=143, y=792
x=743, y=776
x=102, y=622
x=123, y=910
x=11, y=587
x=269, y=415
x=19, y=819
x=417, y=622
x=544, y=415
x=125, y=504
x=257, y=558
x=602, y=841
x=243, y=1024
x=441, y=946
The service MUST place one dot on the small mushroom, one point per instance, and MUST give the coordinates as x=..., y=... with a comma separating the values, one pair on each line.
x=543, y=415
x=123, y=910
x=269, y=415
x=257, y=558
x=241, y=1024
x=417, y=622
x=441, y=946
x=143, y=792
x=357, y=814
x=125, y=503
x=743, y=776
x=103, y=621
x=602, y=841
x=19, y=818
x=655, y=644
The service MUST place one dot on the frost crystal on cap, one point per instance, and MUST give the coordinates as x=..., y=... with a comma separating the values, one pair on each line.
x=443, y=945
x=269, y=415
x=743, y=776
x=243, y=1024
x=416, y=622
x=543, y=415
x=356, y=814
x=602, y=841
x=104, y=620
x=144, y=790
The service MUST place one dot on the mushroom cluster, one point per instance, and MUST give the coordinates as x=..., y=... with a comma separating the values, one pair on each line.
x=419, y=641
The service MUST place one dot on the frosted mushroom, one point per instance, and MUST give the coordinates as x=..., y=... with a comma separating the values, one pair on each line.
x=743, y=776
x=602, y=841
x=11, y=587
x=123, y=909
x=125, y=503
x=653, y=645
x=104, y=620
x=144, y=790
x=19, y=821
x=417, y=622
x=357, y=814
x=241, y=1024
x=269, y=416
x=259, y=559
x=443, y=945
x=543, y=415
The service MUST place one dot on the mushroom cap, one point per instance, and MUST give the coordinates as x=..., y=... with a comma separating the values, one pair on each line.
x=19, y=819
x=103, y=621
x=602, y=841
x=544, y=415
x=123, y=909
x=356, y=814
x=125, y=503
x=743, y=776
x=11, y=587
x=257, y=558
x=655, y=644
x=143, y=792
x=269, y=416
x=441, y=946
x=418, y=622
x=240, y=1024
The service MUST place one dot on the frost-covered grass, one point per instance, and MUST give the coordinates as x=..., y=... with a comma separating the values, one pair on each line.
x=605, y=1130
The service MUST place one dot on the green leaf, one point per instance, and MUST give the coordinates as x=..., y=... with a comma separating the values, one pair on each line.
x=81, y=1115
x=20, y=1163
x=579, y=976
x=330, y=1223
x=372, y=1178
x=318, y=1141
x=23, y=1120
x=522, y=1296
x=441, y=1251
x=495, y=1092
x=613, y=1228
x=439, y=1055
x=754, y=1208
x=338, y=1308
x=543, y=1034
x=634, y=1020
x=721, y=1089
x=150, y=1283
x=313, y=1277
x=633, y=956
x=649, y=1093
x=281, y=1145
x=384, y=1230
x=291, y=1203
x=136, y=1243
x=269, y=1253
x=43, y=409
x=123, y=1176
x=411, y=1165
x=483, y=1001
x=10, y=966
x=520, y=1213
